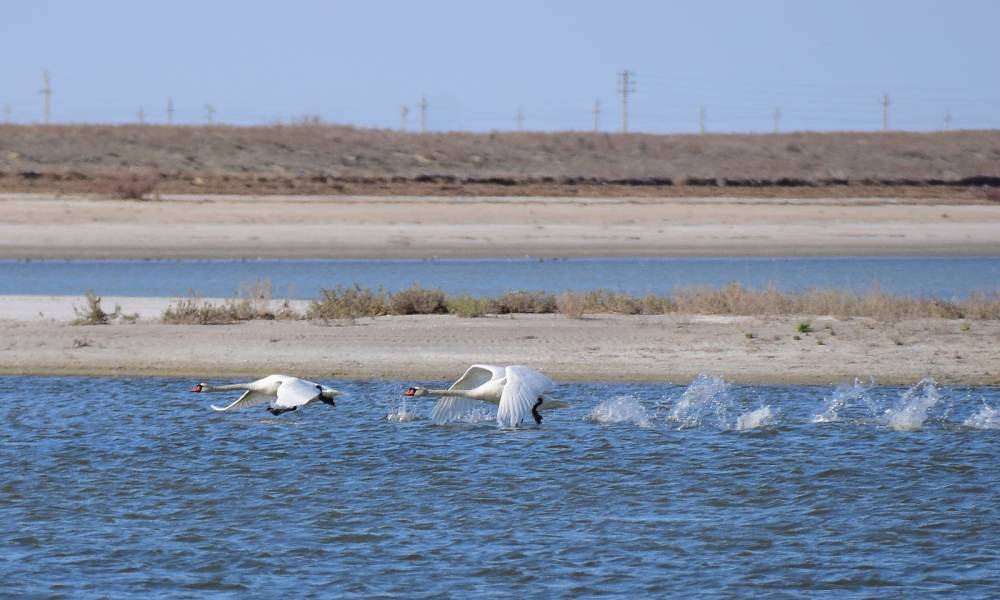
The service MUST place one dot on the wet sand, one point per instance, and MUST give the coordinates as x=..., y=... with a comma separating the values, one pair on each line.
x=45, y=226
x=673, y=348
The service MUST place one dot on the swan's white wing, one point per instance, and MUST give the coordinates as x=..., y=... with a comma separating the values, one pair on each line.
x=249, y=398
x=295, y=392
x=523, y=388
x=477, y=375
x=451, y=408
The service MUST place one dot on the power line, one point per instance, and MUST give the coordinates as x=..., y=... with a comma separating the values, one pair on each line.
x=423, y=114
x=47, y=95
x=626, y=86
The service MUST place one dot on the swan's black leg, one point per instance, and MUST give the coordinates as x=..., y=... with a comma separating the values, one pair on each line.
x=534, y=412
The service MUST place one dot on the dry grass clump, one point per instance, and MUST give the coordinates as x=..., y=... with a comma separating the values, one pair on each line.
x=134, y=184
x=253, y=304
x=574, y=305
x=470, y=306
x=92, y=314
x=525, y=302
x=417, y=300
x=737, y=300
x=348, y=303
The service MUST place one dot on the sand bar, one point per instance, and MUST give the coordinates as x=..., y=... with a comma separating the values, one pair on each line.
x=673, y=348
x=37, y=226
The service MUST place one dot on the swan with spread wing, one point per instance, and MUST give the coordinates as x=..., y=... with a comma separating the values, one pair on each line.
x=518, y=392
x=281, y=392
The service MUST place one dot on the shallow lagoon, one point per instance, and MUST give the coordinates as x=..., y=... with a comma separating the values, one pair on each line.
x=130, y=487
x=944, y=277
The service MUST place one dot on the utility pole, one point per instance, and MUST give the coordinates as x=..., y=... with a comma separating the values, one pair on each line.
x=141, y=115
x=885, y=112
x=47, y=94
x=404, y=112
x=6, y=113
x=597, y=116
x=209, y=113
x=626, y=86
x=947, y=120
x=777, y=119
x=519, y=118
x=701, y=119
x=170, y=110
x=423, y=114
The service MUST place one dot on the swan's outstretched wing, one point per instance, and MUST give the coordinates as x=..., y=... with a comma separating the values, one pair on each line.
x=477, y=375
x=294, y=392
x=451, y=408
x=249, y=398
x=523, y=388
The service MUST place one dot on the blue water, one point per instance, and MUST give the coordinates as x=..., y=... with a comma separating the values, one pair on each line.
x=944, y=277
x=134, y=488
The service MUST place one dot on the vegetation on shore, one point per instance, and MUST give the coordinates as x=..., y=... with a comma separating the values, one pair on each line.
x=345, y=303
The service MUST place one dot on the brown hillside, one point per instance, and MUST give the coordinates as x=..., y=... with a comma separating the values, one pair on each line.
x=336, y=159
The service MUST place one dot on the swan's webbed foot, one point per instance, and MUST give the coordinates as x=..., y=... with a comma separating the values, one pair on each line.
x=277, y=411
x=534, y=412
x=327, y=401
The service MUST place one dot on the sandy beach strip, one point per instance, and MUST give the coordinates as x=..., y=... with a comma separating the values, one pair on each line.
x=669, y=348
x=44, y=226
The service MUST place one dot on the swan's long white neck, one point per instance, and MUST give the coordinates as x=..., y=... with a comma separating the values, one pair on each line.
x=461, y=393
x=224, y=388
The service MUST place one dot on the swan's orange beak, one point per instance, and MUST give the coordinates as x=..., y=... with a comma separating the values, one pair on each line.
x=196, y=388
x=410, y=392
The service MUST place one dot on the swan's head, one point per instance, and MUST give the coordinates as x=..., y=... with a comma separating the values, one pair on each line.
x=329, y=393
x=415, y=391
x=201, y=387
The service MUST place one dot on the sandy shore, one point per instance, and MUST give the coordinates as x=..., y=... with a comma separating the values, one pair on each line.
x=41, y=226
x=597, y=348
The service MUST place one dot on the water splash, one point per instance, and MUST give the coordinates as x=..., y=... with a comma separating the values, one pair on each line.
x=764, y=416
x=987, y=418
x=621, y=409
x=844, y=396
x=910, y=412
x=477, y=415
x=401, y=412
x=706, y=401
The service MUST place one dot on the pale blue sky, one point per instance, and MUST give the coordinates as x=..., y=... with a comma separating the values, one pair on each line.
x=825, y=64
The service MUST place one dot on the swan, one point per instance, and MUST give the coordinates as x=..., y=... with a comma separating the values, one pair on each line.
x=517, y=390
x=281, y=392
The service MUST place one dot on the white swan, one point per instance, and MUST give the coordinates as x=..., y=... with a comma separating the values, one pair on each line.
x=281, y=392
x=519, y=391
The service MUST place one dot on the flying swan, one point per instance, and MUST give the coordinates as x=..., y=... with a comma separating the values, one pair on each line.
x=519, y=391
x=281, y=392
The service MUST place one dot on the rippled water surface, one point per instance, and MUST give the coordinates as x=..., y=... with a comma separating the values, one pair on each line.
x=134, y=487
x=945, y=277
